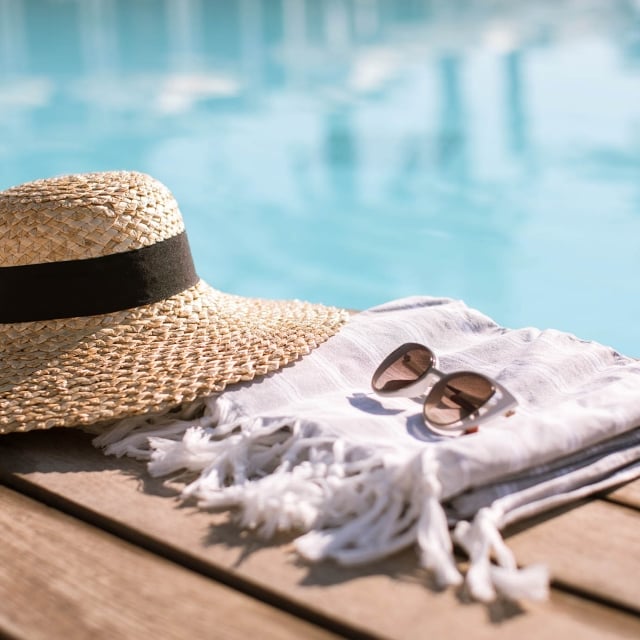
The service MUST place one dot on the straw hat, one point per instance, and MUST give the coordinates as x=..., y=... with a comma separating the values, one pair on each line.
x=102, y=315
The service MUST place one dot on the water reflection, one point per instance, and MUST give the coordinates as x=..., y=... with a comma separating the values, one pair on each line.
x=356, y=150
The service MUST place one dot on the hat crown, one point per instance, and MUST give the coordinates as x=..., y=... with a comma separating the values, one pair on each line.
x=84, y=216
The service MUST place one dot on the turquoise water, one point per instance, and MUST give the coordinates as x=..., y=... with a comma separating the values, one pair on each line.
x=356, y=151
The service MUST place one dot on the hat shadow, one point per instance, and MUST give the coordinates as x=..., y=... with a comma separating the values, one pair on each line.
x=26, y=457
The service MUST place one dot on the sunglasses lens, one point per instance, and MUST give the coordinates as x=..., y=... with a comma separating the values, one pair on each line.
x=402, y=368
x=457, y=397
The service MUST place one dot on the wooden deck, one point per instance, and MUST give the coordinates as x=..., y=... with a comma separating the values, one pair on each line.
x=93, y=548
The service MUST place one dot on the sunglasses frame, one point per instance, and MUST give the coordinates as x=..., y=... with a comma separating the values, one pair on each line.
x=434, y=381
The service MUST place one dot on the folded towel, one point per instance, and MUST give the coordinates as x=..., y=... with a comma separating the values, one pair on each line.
x=312, y=449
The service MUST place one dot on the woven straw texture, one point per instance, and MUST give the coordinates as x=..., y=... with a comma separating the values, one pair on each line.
x=80, y=371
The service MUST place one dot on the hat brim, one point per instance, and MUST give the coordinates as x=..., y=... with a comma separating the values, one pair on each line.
x=80, y=371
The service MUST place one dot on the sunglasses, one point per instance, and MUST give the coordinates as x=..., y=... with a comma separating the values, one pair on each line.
x=456, y=403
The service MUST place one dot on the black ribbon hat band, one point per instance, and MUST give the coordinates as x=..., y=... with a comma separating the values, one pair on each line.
x=95, y=286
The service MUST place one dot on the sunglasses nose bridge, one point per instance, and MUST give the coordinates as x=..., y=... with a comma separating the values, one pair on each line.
x=425, y=386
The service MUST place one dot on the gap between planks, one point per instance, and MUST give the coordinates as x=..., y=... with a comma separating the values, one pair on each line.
x=63, y=578
x=64, y=466
x=627, y=495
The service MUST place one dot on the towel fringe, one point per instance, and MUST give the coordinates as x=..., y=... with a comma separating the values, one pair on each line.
x=481, y=539
x=353, y=504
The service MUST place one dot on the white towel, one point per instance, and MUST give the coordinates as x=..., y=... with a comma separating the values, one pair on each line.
x=313, y=450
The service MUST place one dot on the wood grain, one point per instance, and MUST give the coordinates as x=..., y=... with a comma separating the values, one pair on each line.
x=386, y=599
x=593, y=548
x=62, y=578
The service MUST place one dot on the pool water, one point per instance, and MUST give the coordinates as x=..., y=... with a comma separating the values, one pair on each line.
x=355, y=151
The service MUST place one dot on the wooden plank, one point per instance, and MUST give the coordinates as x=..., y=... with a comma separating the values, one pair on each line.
x=62, y=578
x=593, y=547
x=386, y=599
x=628, y=494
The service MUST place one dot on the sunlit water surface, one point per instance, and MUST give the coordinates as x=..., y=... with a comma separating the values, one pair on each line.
x=352, y=152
